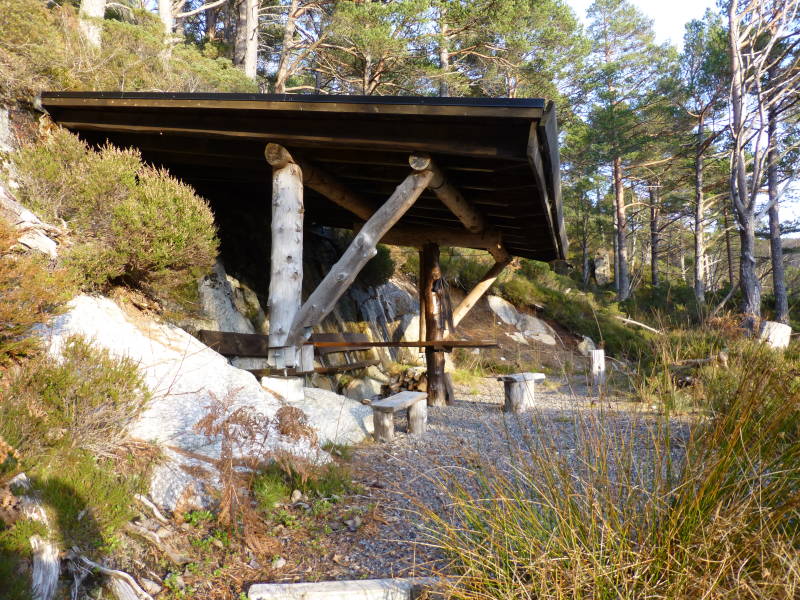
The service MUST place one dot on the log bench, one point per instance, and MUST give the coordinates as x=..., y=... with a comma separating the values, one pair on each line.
x=519, y=389
x=383, y=414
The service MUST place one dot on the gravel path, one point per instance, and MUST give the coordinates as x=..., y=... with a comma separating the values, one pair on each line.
x=474, y=429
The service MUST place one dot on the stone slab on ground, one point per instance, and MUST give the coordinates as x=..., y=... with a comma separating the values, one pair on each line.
x=365, y=589
x=775, y=334
x=529, y=326
x=335, y=418
x=185, y=378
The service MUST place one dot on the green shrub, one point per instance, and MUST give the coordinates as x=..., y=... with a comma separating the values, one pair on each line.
x=378, y=269
x=519, y=291
x=85, y=401
x=462, y=270
x=134, y=225
x=31, y=293
x=41, y=48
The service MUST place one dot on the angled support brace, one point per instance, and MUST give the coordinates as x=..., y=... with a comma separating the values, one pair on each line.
x=363, y=247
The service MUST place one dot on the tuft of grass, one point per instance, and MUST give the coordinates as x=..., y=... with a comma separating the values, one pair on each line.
x=270, y=488
x=642, y=511
x=343, y=451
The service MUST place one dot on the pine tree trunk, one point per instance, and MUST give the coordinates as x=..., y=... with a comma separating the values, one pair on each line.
x=444, y=55
x=655, y=213
x=776, y=247
x=623, y=288
x=288, y=37
x=728, y=248
x=246, y=46
x=748, y=278
x=699, y=218
x=90, y=12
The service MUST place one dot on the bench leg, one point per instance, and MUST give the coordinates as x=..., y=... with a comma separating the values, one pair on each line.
x=418, y=418
x=384, y=425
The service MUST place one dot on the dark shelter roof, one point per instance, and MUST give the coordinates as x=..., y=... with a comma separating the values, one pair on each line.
x=502, y=154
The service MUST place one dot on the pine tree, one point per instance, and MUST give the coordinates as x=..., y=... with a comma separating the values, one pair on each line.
x=625, y=65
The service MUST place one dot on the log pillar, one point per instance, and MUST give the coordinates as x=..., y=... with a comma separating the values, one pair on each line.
x=286, y=257
x=431, y=282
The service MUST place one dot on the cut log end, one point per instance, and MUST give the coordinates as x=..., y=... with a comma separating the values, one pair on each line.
x=278, y=156
x=420, y=161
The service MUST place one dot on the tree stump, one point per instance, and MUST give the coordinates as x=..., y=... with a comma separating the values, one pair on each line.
x=519, y=391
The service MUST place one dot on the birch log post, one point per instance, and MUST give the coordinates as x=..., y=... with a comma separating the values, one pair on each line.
x=286, y=256
x=363, y=247
x=430, y=273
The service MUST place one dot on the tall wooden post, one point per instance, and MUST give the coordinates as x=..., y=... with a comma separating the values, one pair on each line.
x=286, y=258
x=430, y=276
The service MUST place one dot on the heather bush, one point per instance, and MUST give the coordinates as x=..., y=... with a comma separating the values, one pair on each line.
x=84, y=400
x=133, y=225
x=41, y=48
x=31, y=292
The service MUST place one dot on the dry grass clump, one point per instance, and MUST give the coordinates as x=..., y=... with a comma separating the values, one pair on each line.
x=133, y=225
x=621, y=517
x=31, y=292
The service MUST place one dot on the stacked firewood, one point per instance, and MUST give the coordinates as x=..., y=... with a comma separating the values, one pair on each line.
x=414, y=379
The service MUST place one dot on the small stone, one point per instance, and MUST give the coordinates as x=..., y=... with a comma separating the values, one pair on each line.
x=278, y=562
x=296, y=495
x=179, y=582
x=354, y=523
x=218, y=543
x=254, y=564
x=150, y=586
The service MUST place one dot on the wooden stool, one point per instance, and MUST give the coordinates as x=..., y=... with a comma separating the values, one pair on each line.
x=383, y=414
x=519, y=390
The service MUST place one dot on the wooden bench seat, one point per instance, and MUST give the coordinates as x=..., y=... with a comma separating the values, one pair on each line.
x=383, y=414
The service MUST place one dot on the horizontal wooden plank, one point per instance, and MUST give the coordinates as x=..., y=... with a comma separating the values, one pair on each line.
x=519, y=377
x=257, y=345
x=320, y=370
x=399, y=401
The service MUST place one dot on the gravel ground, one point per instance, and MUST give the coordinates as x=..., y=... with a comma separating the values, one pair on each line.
x=400, y=473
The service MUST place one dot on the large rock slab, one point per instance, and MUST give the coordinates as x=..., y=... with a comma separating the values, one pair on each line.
x=529, y=326
x=336, y=418
x=186, y=378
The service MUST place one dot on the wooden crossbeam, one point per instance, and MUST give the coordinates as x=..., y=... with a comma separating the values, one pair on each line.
x=476, y=292
x=321, y=181
x=256, y=345
x=472, y=219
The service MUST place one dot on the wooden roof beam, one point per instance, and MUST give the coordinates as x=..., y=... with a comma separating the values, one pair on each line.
x=320, y=181
x=466, y=212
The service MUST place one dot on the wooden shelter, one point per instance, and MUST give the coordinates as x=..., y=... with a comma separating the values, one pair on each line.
x=415, y=171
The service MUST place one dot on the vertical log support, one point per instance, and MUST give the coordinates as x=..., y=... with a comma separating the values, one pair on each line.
x=286, y=258
x=430, y=276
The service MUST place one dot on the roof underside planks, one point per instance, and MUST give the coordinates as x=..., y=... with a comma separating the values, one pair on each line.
x=502, y=154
